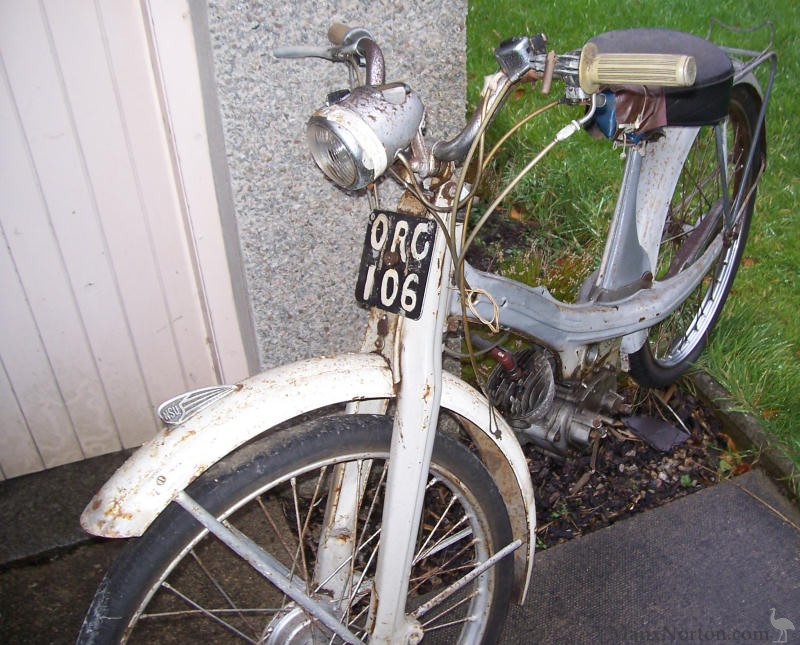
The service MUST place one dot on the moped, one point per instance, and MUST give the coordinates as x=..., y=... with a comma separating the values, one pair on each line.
x=375, y=496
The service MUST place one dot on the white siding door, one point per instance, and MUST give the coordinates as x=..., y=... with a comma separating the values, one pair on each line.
x=114, y=283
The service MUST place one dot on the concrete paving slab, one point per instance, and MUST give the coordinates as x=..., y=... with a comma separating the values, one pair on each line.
x=706, y=568
x=39, y=513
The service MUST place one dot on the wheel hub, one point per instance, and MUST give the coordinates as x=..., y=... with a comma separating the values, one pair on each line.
x=293, y=626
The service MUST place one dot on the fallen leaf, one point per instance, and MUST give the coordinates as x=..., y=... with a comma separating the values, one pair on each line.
x=659, y=434
x=770, y=413
x=729, y=442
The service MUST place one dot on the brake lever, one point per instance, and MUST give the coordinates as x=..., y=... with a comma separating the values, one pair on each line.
x=302, y=51
x=347, y=50
x=337, y=53
x=346, y=54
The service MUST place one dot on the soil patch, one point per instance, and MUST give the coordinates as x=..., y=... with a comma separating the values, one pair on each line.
x=623, y=475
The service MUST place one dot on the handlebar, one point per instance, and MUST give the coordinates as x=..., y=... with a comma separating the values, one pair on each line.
x=363, y=44
x=591, y=68
x=585, y=70
x=338, y=33
x=349, y=44
x=456, y=148
x=663, y=70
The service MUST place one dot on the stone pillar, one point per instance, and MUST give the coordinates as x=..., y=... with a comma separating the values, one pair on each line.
x=301, y=236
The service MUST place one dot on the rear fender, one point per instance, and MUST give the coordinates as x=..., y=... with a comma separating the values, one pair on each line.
x=145, y=484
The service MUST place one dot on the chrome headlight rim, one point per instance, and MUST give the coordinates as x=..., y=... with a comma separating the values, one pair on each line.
x=366, y=155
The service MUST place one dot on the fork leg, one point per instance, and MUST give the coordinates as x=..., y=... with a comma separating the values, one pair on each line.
x=339, y=538
x=418, y=372
x=409, y=459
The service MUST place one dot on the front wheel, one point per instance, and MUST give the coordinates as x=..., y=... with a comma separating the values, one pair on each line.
x=694, y=220
x=179, y=584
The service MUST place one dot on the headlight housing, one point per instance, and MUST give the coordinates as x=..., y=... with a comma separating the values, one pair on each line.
x=354, y=139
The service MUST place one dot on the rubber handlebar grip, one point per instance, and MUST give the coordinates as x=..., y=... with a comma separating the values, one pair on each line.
x=337, y=33
x=656, y=70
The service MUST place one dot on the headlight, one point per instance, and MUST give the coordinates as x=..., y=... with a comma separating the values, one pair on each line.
x=356, y=138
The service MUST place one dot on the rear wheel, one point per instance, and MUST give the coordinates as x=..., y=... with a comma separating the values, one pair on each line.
x=180, y=584
x=694, y=221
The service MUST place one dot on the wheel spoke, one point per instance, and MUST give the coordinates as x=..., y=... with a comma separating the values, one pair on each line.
x=300, y=536
x=694, y=220
x=218, y=586
x=278, y=533
x=447, y=540
x=443, y=569
x=460, y=584
x=213, y=615
x=246, y=572
x=422, y=552
x=431, y=623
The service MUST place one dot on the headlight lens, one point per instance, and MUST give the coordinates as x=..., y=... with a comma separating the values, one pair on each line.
x=356, y=138
x=332, y=155
x=345, y=148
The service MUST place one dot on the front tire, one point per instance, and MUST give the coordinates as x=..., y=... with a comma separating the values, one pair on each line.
x=179, y=584
x=675, y=344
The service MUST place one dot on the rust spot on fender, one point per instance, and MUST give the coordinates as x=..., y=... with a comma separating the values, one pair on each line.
x=199, y=470
x=108, y=534
x=114, y=511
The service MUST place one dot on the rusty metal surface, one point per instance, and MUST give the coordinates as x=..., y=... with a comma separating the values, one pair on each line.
x=144, y=485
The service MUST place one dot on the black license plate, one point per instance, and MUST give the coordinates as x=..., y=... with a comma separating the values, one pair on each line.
x=395, y=262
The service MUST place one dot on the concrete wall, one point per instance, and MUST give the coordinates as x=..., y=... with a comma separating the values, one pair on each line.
x=301, y=236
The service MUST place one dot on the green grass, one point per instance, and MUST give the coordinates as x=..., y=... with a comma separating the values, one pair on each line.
x=755, y=349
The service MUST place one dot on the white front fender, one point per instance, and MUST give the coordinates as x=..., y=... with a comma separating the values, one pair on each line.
x=145, y=484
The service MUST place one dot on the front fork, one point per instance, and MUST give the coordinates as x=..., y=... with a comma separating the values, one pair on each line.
x=414, y=349
x=418, y=375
